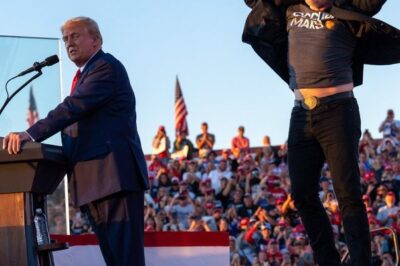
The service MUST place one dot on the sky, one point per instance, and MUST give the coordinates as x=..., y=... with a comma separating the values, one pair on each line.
x=223, y=81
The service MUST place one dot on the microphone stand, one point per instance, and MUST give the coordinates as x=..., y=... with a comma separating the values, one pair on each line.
x=19, y=89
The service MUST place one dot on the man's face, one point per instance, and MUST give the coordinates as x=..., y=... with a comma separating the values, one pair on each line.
x=390, y=114
x=204, y=128
x=241, y=132
x=222, y=165
x=389, y=199
x=80, y=45
x=265, y=233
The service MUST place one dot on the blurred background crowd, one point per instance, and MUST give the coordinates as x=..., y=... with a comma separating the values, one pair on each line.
x=245, y=191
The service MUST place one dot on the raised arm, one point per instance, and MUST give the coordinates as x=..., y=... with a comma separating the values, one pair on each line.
x=368, y=7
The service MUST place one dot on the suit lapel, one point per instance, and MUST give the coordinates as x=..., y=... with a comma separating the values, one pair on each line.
x=88, y=65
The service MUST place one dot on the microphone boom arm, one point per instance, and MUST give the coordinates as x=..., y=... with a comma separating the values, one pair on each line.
x=19, y=89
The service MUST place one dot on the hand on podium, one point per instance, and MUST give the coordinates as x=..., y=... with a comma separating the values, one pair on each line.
x=13, y=141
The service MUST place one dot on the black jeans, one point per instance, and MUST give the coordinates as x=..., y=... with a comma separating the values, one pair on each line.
x=329, y=132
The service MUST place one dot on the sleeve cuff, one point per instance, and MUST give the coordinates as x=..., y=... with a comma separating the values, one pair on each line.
x=30, y=136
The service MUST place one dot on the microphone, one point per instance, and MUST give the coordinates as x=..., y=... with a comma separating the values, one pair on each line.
x=49, y=61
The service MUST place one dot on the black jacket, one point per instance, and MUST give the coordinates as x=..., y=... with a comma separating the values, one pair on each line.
x=378, y=43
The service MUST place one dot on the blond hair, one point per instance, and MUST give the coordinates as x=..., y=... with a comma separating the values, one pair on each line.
x=89, y=23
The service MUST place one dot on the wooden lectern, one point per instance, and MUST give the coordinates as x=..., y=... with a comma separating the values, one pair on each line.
x=25, y=180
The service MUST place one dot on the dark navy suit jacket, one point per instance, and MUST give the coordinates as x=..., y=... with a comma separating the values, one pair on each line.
x=99, y=137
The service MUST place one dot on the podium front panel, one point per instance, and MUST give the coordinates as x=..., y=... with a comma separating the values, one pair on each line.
x=13, y=246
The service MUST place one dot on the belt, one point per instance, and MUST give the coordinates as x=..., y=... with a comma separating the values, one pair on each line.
x=311, y=102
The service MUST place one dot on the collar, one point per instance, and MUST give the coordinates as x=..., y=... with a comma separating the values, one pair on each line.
x=93, y=55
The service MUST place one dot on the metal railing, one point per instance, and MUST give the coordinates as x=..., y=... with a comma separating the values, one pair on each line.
x=395, y=243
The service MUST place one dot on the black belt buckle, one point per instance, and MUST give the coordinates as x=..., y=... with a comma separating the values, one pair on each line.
x=309, y=103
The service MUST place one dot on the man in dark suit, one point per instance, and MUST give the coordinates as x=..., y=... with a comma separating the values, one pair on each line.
x=106, y=166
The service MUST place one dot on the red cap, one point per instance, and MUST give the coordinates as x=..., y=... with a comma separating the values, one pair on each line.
x=209, y=190
x=372, y=221
x=390, y=193
x=279, y=201
x=205, y=181
x=388, y=167
x=161, y=128
x=368, y=175
x=244, y=221
x=365, y=197
x=209, y=205
x=248, y=157
x=299, y=228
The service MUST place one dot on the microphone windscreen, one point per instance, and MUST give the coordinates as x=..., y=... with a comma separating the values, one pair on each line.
x=51, y=60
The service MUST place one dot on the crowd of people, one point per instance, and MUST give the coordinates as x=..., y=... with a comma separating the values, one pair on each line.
x=246, y=192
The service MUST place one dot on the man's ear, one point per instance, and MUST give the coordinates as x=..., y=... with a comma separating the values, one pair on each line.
x=96, y=42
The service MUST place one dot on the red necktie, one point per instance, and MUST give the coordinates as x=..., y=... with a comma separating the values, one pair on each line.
x=75, y=80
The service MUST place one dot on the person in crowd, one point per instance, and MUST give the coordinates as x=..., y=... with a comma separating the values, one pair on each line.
x=223, y=225
x=183, y=148
x=261, y=196
x=217, y=174
x=326, y=186
x=106, y=166
x=173, y=224
x=274, y=255
x=212, y=215
x=367, y=144
x=390, y=127
x=151, y=223
x=248, y=251
x=192, y=173
x=205, y=141
x=197, y=224
x=163, y=180
x=232, y=162
x=175, y=167
x=275, y=187
x=161, y=145
x=175, y=187
x=226, y=186
x=266, y=141
x=387, y=214
x=184, y=207
x=210, y=166
x=155, y=165
x=233, y=252
x=259, y=235
x=240, y=145
x=248, y=208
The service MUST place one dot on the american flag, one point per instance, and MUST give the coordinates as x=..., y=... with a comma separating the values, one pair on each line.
x=32, y=115
x=180, y=110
